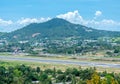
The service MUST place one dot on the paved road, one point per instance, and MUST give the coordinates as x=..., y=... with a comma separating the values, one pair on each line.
x=43, y=60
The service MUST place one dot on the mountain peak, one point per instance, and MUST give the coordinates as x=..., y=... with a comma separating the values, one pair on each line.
x=57, y=28
x=58, y=21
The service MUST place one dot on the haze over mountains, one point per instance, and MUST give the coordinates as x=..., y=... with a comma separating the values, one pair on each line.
x=57, y=28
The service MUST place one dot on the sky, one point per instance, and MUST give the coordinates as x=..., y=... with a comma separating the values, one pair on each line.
x=98, y=14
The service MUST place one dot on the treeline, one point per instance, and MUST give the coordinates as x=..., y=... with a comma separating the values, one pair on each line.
x=22, y=74
x=83, y=48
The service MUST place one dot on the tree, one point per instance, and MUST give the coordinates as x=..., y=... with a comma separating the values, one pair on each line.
x=73, y=80
x=87, y=73
x=38, y=69
x=54, y=72
x=43, y=77
x=95, y=79
x=61, y=78
x=75, y=72
x=48, y=71
x=116, y=51
x=59, y=72
x=111, y=80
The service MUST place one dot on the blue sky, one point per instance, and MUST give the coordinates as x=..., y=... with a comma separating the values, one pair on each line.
x=99, y=14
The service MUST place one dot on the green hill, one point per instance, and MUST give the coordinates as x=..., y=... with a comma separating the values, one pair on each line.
x=57, y=29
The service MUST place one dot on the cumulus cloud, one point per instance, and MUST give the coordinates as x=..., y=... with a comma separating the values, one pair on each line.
x=98, y=13
x=8, y=26
x=5, y=22
x=104, y=24
x=73, y=17
x=25, y=21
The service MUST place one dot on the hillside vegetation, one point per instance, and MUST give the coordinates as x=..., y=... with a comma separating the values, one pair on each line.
x=58, y=36
x=56, y=29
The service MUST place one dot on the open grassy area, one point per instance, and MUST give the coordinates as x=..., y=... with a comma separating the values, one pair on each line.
x=62, y=67
x=67, y=57
x=37, y=64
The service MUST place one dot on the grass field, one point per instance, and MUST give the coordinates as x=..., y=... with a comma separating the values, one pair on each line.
x=61, y=66
x=51, y=66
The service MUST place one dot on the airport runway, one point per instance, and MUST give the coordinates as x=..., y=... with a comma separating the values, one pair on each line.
x=43, y=60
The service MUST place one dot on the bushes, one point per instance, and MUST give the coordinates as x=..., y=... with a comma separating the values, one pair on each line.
x=22, y=74
x=61, y=78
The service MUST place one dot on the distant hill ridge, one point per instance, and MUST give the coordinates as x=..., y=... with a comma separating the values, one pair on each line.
x=57, y=28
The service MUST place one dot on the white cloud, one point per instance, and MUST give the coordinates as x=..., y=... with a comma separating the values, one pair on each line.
x=108, y=24
x=7, y=26
x=5, y=22
x=104, y=24
x=98, y=13
x=73, y=17
x=25, y=21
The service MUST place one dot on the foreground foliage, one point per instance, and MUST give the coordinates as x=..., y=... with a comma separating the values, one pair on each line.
x=22, y=74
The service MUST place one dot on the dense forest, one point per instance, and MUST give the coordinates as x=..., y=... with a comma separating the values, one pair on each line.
x=22, y=74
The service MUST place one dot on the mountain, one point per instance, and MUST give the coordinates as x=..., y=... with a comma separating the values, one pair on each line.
x=55, y=29
x=2, y=33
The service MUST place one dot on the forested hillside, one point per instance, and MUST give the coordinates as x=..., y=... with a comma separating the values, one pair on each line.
x=58, y=36
x=57, y=29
